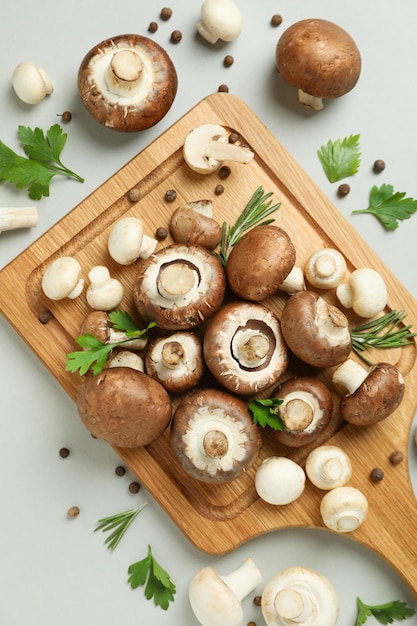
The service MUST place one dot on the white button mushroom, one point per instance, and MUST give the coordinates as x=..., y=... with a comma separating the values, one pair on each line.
x=279, y=480
x=300, y=596
x=220, y=19
x=328, y=467
x=104, y=292
x=365, y=292
x=31, y=83
x=127, y=241
x=344, y=509
x=207, y=146
x=325, y=269
x=216, y=600
x=24, y=217
x=62, y=279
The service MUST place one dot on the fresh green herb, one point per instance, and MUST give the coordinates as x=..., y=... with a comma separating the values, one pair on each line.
x=265, y=412
x=158, y=583
x=383, y=332
x=254, y=214
x=340, y=158
x=119, y=524
x=41, y=164
x=389, y=207
x=383, y=613
x=95, y=353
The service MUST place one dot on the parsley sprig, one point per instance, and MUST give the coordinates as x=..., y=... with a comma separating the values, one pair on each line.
x=384, y=613
x=42, y=161
x=382, y=332
x=340, y=158
x=265, y=413
x=118, y=524
x=389, y=206
x=95, y=353
x=159, y=585
x=254, y=214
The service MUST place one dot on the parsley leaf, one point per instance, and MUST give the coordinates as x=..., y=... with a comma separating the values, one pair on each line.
x=383, y=613
x=340, y=158
x=158, y=582
x=388, y=206
x=265, y=413
x=42, y=163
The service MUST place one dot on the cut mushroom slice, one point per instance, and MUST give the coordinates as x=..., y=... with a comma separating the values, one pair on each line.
x=207, y=146
x=306, y=410
x=63, y=279
x=325, y=269
x=344, y=509
x=279, y=480
x=98, y=324
x=127, y=83
x=176, y=361
x=213, y=436
x=193, y=224
x=315, y=331
x=179, y=287
x=328, y=467
x=372, y=395
x=243, y=347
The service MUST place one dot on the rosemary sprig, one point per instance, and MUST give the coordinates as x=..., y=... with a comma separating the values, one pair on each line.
x=254, y=214
x=120, y=522
x=383, y=332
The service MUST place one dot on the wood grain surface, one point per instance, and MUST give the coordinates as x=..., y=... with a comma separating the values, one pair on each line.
x=217, y=519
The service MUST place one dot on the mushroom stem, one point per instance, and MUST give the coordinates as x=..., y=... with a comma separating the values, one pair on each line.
x=295, y=604
x=250, y=347
x=312, y=102
x=349, y=375
x=124, y=73
x=25, y=217
x=226, y=151
x=294, y=281
x=173, y=354
x=244, y=579
x=298, y=414
x=176, y=280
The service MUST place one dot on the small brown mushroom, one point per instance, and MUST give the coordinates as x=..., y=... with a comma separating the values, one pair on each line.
x=179, y=287
x=213, y=436
x=124, y=407
x=260, y=262
x=127, y=83
x=306, y=410
x=193, y=224
x=320, y=59
x=98, y=324
x=372, y=395
x=315, y=331
x=243, y=347
x=176, y=361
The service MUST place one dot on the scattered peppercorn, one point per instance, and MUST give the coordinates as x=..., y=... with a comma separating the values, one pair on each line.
x=257, y=600
x=170, y=195
x=153, y=27
x=45, y=316
x=343, y=190
x=224, y=171
x=134, y=195
x=120, y=470
x=166, y=13
x=377, y=475
x=176, y=36
x=64, y=453
x=251, y=624
x=379, y=166
x=73, y=511
x=396, y=457
x=218, y=190
x=223, y=88
x=276, y=20
x=66, y=116
x=161, y=233
x=134, y=487
x=233, y=137
x=228, y=60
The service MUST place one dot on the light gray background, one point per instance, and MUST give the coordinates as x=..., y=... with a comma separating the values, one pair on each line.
x=57, y=571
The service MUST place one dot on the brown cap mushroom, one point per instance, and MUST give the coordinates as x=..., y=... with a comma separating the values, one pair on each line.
x=127, y=82
x=124, y=407
x=213, y=436
x=98, y=324
x=320, y=59
x=243, y=347
x=260, y=262
x=315, y=331
x=372, y=396
x=193, y=224
x=179, y=287
x=306, y=410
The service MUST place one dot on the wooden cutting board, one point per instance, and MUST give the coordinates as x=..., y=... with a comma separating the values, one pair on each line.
x=217, y=519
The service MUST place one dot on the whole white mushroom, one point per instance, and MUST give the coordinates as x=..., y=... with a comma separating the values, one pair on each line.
x=220, y=19
x=365, y=292
x=279, y=480
x=63, y=279
x=31, y=83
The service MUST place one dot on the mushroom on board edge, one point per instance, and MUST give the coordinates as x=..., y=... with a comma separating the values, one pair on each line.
x=372, y=395
x=127, y=83
x=320, y=59
x=213, y=436
x=299, y=595
x=179, y=287
x=243, y=347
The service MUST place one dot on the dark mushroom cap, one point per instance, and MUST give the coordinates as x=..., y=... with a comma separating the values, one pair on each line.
x=376, y=398
x=124, y=407
x=187, y=310
x=318, y=57
x=189, y=226
x=315, y=331
x=243, y=347
x=306, y=411
x=213, y=436
x=128, y=114
x=96, y=323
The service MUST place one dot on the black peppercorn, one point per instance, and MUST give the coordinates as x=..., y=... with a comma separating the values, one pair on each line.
x=166, y=13
x=120, y=470
x=45, y=316
x=134, y=195
x=134, y=487
x=377, y=475
x=233, y=137
x=223, y=88
x=224, y=171
x=176, y=36
x=73, y=511
x=153, y=27
x=396, y=457
x=257, y=600
x=276, y=20
x=161, y=233
x=64, y=453
x=228, y=60
x=66, y=116
x=343, y=190
x=170, y=195
x=379, y=166
x=218, y=189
